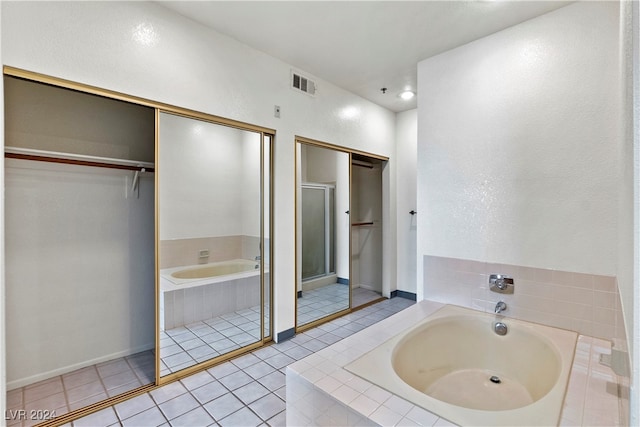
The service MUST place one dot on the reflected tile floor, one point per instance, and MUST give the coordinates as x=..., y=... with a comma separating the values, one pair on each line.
x=317, y=303
x=362, y=296
x=82, y=387
x=194, y=343
x=246, y=391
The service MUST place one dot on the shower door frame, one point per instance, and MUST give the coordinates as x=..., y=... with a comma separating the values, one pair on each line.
x=328, y=238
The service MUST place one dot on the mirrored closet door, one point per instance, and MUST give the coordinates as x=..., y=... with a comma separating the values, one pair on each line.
x=214, y=246
x=339, y=212
x=323, y=266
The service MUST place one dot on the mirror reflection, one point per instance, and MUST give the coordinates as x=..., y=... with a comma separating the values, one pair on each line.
x=323, y=232
x=266, y=227
x=210, y=250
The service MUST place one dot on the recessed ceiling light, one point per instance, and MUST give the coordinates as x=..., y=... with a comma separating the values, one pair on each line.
x=407, y=95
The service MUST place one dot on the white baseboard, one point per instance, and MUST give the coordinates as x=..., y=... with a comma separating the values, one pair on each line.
x=70, y=368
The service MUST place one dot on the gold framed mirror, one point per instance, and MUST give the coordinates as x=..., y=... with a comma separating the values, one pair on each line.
x=339, y=214
x=213, y=239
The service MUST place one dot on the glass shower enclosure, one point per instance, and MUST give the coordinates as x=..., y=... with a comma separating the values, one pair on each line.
x=318, y=230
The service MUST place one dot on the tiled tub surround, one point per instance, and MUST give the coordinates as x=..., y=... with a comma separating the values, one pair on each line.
x=181, y=252
x=203, y=299
x=586, y=303
x=321, y=392
x=532, y=363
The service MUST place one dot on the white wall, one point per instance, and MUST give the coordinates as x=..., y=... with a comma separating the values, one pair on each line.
x=517, y=144
x=209, y=180
x=250, y=190
x=523, y=154
x=406, y=154
x=79, y=268
x=186, y=64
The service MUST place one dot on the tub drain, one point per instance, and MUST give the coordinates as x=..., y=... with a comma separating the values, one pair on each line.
x=495, y=380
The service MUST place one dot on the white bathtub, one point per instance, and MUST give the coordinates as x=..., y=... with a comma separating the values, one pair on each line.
x=186, y=276
x=444, y=364
x=200, y=292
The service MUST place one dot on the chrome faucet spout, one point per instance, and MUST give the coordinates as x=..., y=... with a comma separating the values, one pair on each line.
x=500, y=307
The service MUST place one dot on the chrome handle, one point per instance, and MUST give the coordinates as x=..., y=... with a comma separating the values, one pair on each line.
x=500, y=307
x=501, y=284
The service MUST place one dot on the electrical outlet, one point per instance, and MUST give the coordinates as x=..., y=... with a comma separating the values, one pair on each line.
x=276, y=111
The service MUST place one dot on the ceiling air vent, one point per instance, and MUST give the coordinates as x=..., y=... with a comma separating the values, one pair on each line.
x=303, y=84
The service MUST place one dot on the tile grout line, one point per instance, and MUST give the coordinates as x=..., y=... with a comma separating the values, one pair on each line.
x=370, y=315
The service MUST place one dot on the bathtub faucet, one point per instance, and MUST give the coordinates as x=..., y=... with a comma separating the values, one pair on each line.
x=500, y=307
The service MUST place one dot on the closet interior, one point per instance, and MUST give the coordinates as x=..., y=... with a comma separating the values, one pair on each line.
x=366, y=229
x=80, y=247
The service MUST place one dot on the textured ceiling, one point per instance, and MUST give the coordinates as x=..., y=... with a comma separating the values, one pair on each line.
x=361, y=46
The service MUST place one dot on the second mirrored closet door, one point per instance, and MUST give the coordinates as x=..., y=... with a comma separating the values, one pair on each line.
x=338, y=231
x=213, y=233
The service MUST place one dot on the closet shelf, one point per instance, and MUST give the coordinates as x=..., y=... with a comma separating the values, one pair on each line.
x=77, y=159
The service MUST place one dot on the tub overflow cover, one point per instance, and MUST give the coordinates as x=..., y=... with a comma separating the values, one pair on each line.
x=495, y=380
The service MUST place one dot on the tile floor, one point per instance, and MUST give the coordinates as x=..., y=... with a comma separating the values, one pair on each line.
x=361, y=296
x=194, y=343
x=320, y=302
x=180, y=347
x=317, y=303
x=246, y=391
x=82, y=387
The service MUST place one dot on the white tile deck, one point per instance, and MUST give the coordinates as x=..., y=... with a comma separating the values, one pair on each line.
x=321, y=392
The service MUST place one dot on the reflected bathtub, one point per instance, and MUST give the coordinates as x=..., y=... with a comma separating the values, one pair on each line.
x=194, y=293
x=454, y=365
x=189, y=274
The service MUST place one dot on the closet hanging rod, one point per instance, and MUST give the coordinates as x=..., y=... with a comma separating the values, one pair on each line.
x=76, y=159
x=358, y=224
x=362, y=164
